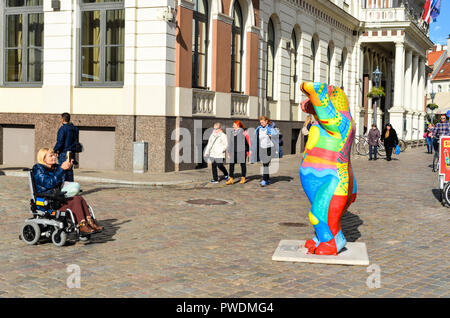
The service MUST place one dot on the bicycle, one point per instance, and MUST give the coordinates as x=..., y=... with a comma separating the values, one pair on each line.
x=362, y=145
x=435, y=167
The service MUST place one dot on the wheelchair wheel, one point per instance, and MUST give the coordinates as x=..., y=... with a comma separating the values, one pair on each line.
x=59, y=238
x=31, y=233
x=85, y=238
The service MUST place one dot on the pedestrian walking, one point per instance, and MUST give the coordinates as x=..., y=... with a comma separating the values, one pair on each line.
x=441, y=129
x=390, y=139
x=238, y=150
x=306, y=127
x=373, y=137
x=429, y=138
x=215, y=152
x=279, y=149
x=67, y=140
x=264, y=147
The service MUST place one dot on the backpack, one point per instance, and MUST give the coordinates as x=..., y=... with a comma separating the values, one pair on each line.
x=305, y=131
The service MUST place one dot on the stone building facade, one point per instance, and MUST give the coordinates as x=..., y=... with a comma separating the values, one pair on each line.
x=135, y=70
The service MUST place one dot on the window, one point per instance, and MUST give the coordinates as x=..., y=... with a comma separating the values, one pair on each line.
x=293, y=75
x=313, y=59
x=439, y=88
x=270, y=59
x=236, y=49
x=343, y=61
x=24, y=37
x=102, y=42
x=200, y=44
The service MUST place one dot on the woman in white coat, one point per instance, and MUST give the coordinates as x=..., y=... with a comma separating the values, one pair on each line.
x=215, y=151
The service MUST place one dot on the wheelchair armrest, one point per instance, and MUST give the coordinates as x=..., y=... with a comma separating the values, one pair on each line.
x=59, y=196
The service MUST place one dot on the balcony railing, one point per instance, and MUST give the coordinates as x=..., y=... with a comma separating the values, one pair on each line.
x=392, y=15
x=239, y=105
x=202, y=102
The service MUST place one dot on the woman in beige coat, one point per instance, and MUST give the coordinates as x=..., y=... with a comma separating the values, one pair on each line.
x=215, y=152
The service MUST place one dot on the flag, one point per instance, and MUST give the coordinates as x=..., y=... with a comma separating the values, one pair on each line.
x=436, y=9
x=427, y=11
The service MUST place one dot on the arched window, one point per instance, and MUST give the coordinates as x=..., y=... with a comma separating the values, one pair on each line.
x=313, y=59
x=439, y=88
x=293, y=75
x=329, y=56
x=200, y=44
x=343, y=61
x=270, y=59
x=236, y=49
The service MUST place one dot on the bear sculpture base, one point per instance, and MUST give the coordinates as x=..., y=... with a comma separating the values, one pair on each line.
x=294, y=251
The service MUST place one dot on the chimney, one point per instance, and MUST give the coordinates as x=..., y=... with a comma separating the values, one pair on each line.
x=448, y=45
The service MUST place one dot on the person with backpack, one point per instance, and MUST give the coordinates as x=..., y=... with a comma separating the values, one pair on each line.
x=306, y=127
x=215, y=152
x=67, y=140
x=264, y=147
x=279, y=136
x=238, y=150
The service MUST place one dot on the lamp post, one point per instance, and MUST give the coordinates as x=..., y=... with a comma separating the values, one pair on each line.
x=432, y=95
x=376, y=77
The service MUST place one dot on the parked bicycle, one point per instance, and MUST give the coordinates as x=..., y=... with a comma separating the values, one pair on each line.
x=362, y=145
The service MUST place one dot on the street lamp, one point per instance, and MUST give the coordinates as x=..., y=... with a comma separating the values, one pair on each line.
x=432, y=94
x=376, y=77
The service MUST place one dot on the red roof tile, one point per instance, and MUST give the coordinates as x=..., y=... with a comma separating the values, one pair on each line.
x=433, y=56
x=444, y=71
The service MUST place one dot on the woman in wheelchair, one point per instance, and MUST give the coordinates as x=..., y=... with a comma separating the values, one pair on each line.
x=49, y=176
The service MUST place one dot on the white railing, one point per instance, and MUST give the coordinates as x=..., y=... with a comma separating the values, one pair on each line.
x=392, y=15
x=202, y=102
x=239, y=105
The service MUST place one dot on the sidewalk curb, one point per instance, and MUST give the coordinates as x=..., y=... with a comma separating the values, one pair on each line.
x=113, y=181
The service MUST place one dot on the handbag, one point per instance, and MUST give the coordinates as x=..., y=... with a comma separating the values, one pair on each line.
x=71, y=189
x=397, y=150
x=424, y=135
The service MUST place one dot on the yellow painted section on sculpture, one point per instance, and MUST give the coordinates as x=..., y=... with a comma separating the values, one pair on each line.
x=313, y=137
x=313, y=219
x=342, y=188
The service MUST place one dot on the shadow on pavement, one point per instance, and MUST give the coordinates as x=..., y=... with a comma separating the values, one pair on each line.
x=98, y=189
x=437, y=194
x=110, y=228
x=350, y=223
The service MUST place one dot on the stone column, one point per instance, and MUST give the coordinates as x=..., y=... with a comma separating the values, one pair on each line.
x=396, y=112
x=414, y=92
x=407, y=94
x=421, y=95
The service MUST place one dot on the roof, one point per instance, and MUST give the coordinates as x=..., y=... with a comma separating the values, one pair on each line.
x=433, y=57
x=444, y=71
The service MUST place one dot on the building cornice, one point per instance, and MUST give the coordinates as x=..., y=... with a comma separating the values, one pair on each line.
x=188, y=4
x=223, y=18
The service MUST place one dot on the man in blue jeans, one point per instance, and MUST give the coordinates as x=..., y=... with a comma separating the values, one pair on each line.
x=66, y=141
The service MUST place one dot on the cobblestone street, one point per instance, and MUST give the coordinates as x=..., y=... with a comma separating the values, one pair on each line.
x=155, y=244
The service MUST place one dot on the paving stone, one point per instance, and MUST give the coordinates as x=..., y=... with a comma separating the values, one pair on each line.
x=154, y=247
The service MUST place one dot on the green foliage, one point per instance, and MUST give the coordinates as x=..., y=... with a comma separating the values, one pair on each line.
x=376, y=92
x=432, y=106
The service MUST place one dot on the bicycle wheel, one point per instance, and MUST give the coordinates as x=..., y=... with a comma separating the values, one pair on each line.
x=446, y=193
x=402, y=145
x=435, y=162
x=381, y=150
x=362, y=148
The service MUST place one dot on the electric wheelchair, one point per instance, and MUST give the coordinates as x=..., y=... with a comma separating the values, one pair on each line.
x=47, y=220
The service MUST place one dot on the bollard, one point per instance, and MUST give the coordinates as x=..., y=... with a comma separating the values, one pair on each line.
x=140, y=156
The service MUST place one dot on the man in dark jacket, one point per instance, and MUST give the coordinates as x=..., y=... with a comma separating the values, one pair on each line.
x=66, y=141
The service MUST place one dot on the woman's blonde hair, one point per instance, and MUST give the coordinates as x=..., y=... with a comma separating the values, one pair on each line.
x=308, y=120
x=265, y=118
x=41, y=155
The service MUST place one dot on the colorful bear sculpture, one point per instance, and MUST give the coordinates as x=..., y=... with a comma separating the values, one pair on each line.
x=326, y=173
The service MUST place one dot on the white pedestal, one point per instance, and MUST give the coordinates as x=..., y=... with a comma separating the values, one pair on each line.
x=294, y=251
